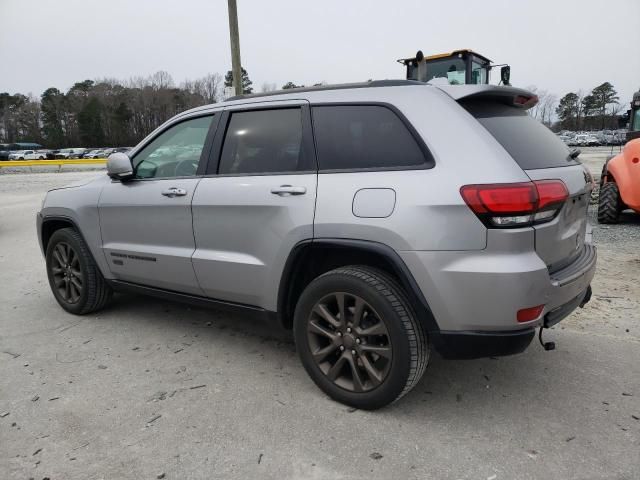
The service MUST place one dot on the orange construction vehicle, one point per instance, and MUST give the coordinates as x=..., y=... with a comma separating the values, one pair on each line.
x=620, y=180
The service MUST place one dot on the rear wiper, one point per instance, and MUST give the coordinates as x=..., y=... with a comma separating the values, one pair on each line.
x=573, y=154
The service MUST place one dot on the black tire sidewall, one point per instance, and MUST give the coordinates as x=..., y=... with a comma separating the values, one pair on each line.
x=396, y=379
x=605, y=215
x=65, y=236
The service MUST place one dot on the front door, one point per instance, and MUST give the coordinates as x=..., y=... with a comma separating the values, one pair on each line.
x=146, y=222
x=256, y=203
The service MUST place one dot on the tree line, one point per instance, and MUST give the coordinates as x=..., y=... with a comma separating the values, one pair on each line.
x=597, y=110
x=109, y=112
x=104, y=112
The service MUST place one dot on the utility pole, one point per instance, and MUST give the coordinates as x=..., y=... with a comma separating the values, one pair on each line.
x=236, y=67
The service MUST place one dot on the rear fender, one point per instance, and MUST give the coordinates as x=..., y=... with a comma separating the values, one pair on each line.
x=625, y=169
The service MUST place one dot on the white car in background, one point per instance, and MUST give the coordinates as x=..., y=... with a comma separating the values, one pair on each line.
x=586, y=140
x=28, y=155
x=17, y=155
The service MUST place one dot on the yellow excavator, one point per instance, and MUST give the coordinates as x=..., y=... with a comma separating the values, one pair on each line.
x=460, y=67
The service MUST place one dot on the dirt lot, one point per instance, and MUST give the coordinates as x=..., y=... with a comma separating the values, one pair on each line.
x=147, y=387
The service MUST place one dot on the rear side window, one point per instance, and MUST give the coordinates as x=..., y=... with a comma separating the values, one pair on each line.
x=529, y=142
x=363, y=137
x=264, y=141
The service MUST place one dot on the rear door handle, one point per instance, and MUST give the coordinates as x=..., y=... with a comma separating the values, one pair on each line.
x=174, y=192
x=286, y=190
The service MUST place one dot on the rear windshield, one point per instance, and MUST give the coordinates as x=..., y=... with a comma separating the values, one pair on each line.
x=528, y=141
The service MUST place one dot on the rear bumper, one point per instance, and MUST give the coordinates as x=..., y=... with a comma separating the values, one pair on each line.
x=482, y=291
x=468, y=345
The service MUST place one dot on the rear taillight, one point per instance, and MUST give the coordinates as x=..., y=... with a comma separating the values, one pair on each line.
x=516, y=204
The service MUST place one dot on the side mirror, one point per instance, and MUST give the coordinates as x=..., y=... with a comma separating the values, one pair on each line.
x=505, y=74
x=119, y=166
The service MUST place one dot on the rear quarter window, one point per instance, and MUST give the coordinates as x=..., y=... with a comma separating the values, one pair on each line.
x=365, y=137
x=529, y=142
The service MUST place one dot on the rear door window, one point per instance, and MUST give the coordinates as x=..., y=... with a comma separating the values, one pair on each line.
x=529, y=142
x=265, y=141
x=364, y=137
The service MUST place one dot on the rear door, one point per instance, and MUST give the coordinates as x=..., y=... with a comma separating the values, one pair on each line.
x=256, y=203
x=146, y=223
x=543, y=156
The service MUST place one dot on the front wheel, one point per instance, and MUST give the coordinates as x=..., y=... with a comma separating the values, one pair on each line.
x=358, y=337
x=75, y=280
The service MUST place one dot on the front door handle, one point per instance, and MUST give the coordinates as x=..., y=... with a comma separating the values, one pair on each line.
x=174, y=192
x=286, y=190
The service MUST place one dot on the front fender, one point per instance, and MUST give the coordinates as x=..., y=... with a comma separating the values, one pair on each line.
x=78, y=205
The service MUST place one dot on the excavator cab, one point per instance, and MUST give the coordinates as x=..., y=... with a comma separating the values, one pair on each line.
x=459, y=67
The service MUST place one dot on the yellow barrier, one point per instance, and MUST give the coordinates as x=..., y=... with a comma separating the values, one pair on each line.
x=38, y=163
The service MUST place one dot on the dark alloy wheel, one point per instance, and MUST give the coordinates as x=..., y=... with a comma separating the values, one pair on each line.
x=358, y=337
x=349, y=342
x=67, y=273
x=75, y=279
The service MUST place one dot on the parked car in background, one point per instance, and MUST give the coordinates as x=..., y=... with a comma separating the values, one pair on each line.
x=16, y=154
x=5, y=151
x=64, y=153
x=586, y=140
x=88, y=152
x=94, y=154
x=70, y=153
x=35, y=155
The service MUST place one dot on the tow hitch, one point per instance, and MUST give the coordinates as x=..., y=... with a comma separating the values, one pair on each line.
x=558, y=314
x=546, y=345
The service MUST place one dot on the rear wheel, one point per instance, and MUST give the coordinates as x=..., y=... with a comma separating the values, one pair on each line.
x=609, y=204
x=358, y=338
x=74, y=278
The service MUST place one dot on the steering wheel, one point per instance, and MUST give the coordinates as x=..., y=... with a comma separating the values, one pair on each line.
x=186, y=168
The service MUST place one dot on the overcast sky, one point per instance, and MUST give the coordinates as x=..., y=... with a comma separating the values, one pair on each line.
x=559, y=45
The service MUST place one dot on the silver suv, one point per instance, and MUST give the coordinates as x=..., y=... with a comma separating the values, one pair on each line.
x=378, y=221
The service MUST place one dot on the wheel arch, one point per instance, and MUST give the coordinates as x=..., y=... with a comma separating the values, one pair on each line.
x=311, y=258
x=50, y=225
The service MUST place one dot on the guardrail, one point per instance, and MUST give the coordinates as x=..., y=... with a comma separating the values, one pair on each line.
x=59, y=163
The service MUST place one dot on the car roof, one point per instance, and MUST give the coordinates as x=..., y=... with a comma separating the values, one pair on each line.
x=322, y=93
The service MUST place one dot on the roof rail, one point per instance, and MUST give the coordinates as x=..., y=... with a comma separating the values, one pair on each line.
x=321, y=88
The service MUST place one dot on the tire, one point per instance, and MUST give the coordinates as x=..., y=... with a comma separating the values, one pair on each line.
x=387, y=325
x=66, y=247
x=609, y=205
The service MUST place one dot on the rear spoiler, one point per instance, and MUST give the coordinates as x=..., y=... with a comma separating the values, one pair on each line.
x=516, y=97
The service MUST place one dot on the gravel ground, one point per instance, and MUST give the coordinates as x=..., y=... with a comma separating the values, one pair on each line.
x=146, y=388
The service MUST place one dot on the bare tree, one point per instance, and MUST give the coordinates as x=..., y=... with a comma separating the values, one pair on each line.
x=268, y=87
x=547, y=107
x=212, y=87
